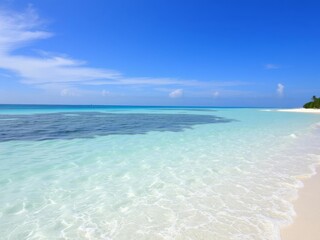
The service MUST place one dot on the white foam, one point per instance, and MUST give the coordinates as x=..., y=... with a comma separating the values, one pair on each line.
x=293, y=135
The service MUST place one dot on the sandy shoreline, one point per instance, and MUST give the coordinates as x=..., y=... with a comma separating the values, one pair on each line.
x=306, y=223
x=300, y=110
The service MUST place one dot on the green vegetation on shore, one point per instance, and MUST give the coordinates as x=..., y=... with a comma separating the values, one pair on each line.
x=315, y=103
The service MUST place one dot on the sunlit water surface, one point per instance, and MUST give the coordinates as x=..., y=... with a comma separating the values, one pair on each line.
x=151, y=173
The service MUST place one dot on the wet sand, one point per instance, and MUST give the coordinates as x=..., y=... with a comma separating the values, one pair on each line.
x=306, y=225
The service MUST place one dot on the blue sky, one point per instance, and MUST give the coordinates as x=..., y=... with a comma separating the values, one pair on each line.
x=208, y=53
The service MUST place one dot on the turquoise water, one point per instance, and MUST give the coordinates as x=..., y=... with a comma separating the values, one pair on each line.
x=151, y=172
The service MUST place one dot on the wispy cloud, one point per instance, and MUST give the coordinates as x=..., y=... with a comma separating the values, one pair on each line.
x=271, y=66
x=62, y=73
x=105, y=93
x=18, y=30
x=280, y=89
x=176, y=93
x=216, y=94
x=69, y=92
x=121, y=80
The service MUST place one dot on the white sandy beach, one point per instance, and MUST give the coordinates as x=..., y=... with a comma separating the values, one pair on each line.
x=300, y=110
x=306, y=225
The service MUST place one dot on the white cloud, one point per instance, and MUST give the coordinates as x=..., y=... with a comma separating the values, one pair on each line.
x=216, y=94
x=69, y=92
x=176, y=93
x=270, y=66
x=60, y=73
x=280, y=89
x=143, y=81
x=34, y=70
x=105, y=93
x=19, y=29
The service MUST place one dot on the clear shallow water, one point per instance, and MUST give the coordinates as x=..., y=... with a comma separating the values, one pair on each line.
x=151, y=173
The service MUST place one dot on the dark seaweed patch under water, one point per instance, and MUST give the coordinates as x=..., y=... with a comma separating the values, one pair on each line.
x=71, y=125
x=189, y=109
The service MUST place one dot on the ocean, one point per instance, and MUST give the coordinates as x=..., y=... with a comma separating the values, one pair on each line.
x=121, y=172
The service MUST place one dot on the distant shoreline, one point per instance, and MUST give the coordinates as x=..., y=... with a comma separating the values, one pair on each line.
x=300, y=110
